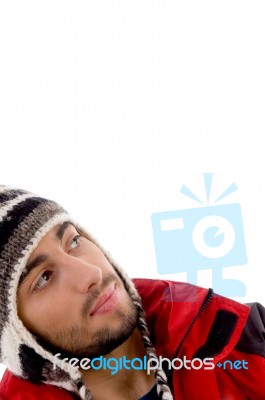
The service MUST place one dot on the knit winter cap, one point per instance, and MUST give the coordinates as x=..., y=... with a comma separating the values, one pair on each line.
x=25, y=218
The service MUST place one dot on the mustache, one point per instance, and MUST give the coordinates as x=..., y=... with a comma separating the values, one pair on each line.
x=95, y=293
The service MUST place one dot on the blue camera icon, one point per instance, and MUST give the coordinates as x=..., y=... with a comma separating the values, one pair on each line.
x=201, y=238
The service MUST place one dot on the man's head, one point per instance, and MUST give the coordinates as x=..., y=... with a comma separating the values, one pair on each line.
x=70, y=295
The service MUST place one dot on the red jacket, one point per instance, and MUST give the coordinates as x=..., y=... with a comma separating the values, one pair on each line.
x=185, y=320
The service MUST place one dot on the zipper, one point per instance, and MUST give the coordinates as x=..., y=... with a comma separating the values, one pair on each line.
x=205, y=303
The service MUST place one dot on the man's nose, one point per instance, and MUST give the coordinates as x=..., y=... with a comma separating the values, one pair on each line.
x=79, y=274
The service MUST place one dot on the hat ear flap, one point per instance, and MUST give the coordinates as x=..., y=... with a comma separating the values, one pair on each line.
x=32, y=364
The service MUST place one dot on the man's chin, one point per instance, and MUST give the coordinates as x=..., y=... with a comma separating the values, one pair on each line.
x=106, y=341
x=103, y=341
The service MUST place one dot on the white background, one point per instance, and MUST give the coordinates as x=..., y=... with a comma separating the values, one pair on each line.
x=109, y=107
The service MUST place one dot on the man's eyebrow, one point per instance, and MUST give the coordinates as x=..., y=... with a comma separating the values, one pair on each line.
x=33, y=264
x=60, y=231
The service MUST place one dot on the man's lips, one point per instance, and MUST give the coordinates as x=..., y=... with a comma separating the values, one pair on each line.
x=107, y=301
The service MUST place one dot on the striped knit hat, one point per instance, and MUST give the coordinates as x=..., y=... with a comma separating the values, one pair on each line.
x=25, y=218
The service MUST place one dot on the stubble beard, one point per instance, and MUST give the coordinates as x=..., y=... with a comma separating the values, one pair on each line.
x=71, y=343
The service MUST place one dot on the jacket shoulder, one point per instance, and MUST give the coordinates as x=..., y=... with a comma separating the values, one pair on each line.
x=180, y=307
x=252, y=339
x=15, y=388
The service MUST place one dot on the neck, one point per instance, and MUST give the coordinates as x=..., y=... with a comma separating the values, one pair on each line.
x=118, y=383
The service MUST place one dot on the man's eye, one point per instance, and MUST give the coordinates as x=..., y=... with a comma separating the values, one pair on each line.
x=43, y=280
x=75, y=242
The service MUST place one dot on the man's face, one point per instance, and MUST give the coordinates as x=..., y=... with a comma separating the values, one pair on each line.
x=72, y=298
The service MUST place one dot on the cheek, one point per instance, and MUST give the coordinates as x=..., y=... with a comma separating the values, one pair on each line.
x=60, y=312
x=44, y=316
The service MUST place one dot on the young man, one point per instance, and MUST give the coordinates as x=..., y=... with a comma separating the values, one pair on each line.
x=74, y=326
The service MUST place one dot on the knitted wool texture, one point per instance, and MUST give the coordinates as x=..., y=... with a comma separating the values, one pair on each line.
x=25, y=219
